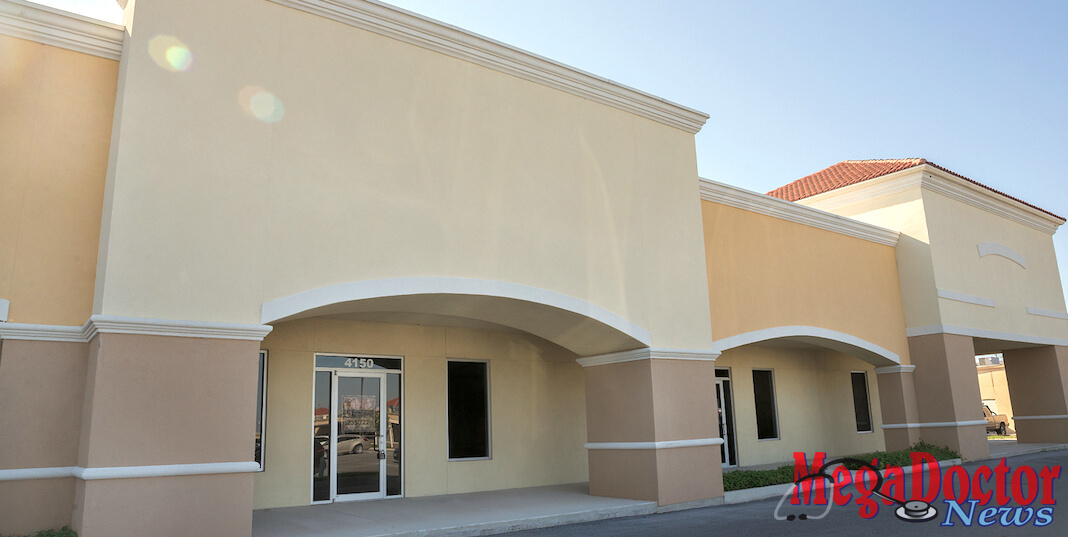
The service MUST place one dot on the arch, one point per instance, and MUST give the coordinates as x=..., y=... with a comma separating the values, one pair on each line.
x=865, y=350
x=572, y=323
x=993, y=248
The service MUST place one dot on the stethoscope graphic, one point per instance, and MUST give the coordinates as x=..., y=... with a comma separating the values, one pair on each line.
x=909, y=511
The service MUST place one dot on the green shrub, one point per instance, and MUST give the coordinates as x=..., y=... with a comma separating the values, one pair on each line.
x=747, y=479
x=62, y=532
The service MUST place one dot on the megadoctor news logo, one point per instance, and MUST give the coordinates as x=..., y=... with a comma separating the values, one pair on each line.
x=967, y=498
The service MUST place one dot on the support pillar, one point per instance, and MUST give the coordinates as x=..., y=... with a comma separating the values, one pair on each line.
x=1037, y=379
x=947, y=394
x=651, y=426
x=897, y=401
x=166, y=438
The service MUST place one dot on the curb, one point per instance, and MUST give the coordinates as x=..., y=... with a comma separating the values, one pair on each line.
x=1028, y=451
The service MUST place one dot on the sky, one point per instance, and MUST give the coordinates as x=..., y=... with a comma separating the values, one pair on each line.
x=979, y=87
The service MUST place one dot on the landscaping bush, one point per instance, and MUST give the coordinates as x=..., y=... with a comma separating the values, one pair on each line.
x=747, y=479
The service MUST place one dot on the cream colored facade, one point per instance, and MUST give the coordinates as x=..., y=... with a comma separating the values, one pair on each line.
x=362, y=181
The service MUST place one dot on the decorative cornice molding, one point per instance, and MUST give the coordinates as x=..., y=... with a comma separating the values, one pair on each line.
x=108, y=324
x=666, y=444
x=126, y=472
x=994, y=248
x=831, y=339
x=42, y=332
x=647, y=354
x=966, y=298
x=895, y=369
x=747, y=200
x=940, y=182
x=433, y=35
x=59, y=28
x=985, y=334
x=1047, y=313
x=934, y=424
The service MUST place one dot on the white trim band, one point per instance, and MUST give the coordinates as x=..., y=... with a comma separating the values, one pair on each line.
x=895, y=369
x=748, y=200
x=867, y=351
x=458, y=43
x=934, y=424
x=126, y=472
x=983, y=334
x=666, y=444
x=59, y=28
x=998, y=249
x=647, y=354
x=109, y=324
x=1051, y=417
x=966, y=298
x=1046, y=313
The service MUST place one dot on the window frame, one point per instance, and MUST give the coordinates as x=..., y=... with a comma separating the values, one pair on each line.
x=774, y=407
x=489, y=413
x=264, y=358
x=867, y=398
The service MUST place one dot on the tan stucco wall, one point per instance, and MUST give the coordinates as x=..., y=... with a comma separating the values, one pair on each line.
x=537, y=407
x=55, y=127
x=814, y=400
x=390, y=161
x=764, y=272
x=994, y=386
x=41, y=389
x=956, y=230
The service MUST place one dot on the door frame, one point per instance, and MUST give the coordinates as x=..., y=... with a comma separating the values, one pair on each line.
x=335, y=373
x=383, y=422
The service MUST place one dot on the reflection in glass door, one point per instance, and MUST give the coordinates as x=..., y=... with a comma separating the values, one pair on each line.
x=359, y=436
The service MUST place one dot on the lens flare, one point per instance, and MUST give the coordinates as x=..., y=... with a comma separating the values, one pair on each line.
x=261, y=104
x=170, y=53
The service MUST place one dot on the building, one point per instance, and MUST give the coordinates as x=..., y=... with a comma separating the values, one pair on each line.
x=340, y=251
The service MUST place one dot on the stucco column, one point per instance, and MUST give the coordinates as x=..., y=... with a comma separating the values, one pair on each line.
x=651, y=427
x=897, y=401
x=167, y=437
x=1037, y=378
x=947, y=394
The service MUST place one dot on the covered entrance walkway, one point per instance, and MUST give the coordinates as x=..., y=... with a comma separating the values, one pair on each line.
x=477, y=513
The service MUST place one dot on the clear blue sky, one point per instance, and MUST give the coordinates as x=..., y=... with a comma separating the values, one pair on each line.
x=979, y=87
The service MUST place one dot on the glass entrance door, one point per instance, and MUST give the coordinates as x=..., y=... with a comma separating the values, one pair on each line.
x=350, y=439
x=725, y=417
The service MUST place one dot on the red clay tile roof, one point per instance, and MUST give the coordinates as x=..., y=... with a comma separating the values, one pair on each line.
x=850, y=172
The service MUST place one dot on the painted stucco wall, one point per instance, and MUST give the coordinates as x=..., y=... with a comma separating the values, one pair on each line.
x=764, y=272
x=956, y=230
x=55, y=127
x=814, y=403
x=390, y=161
x=537, y=407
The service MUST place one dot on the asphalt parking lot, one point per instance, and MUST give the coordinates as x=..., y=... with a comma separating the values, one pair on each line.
x=756, y=518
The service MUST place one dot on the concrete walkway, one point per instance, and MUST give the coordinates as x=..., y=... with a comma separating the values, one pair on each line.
x=480, y=513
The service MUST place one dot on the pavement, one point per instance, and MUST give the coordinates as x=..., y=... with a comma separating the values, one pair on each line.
x=487, y=513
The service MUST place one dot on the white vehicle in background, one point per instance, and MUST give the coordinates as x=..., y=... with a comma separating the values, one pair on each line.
x=998, y=423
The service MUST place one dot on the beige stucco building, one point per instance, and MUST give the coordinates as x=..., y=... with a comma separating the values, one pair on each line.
x=340, y=251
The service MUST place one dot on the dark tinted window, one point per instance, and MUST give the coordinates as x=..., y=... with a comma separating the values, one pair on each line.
x=468, y=410
x=764, y=394
x=860, y=401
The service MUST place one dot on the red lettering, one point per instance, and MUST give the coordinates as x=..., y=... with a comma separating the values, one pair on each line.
x=1001, y=471
x=865, y=483
x=809, y=486
x=1048, y=475
x=962, y=478
x=934, y=479
x=842, y=477
x=982, y=474
x=1018, y=494
x=893, y=484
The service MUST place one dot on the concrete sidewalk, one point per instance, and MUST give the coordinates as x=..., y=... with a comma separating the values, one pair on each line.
x=480, y=513
x=1010, y=448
